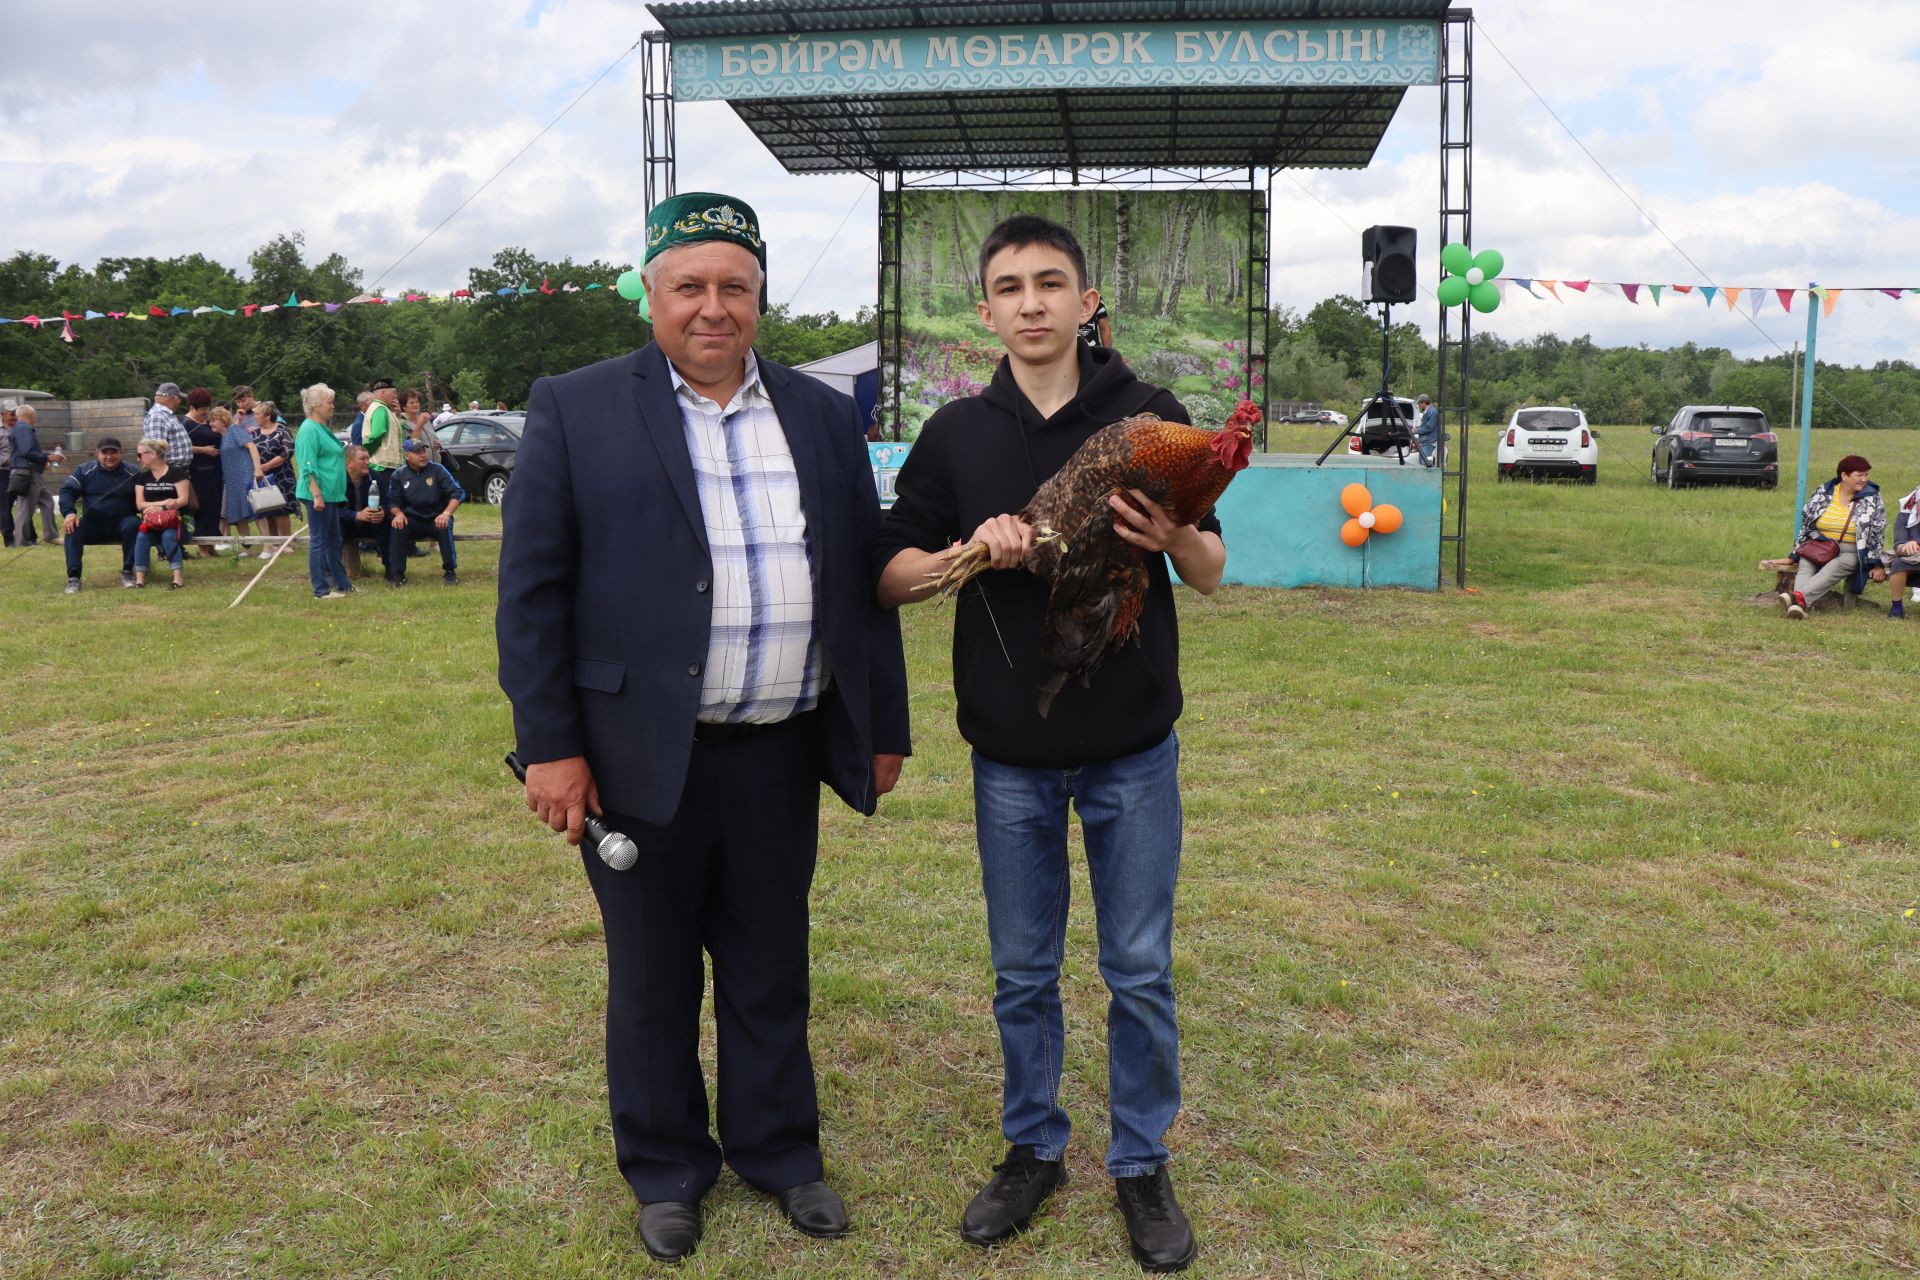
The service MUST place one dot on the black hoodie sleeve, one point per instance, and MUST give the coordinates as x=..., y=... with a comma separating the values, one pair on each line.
x=925, y=515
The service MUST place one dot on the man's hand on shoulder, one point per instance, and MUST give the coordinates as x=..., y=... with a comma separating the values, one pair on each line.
x=562, y=793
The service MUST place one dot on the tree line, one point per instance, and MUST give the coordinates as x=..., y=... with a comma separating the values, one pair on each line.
x=492, y=348
x=487, y=349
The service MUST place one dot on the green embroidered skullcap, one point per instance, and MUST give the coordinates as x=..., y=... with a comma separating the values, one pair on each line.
x=703, y=215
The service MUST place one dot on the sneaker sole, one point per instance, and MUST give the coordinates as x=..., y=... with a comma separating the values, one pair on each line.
x=1164, y=1268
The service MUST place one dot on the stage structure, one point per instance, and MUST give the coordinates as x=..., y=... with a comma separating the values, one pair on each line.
x=1110, y=96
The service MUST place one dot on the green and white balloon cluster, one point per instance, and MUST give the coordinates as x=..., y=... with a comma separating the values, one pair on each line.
x=1469, y=277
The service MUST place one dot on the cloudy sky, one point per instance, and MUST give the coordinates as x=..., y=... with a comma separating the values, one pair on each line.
x=1770, y=141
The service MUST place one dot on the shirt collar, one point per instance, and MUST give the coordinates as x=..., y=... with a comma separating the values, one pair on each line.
x=752, y=390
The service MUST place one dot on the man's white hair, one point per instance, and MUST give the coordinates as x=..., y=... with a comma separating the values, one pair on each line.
x=313, y=395
x=28, y=412
x=650, y=269
x=363, y=399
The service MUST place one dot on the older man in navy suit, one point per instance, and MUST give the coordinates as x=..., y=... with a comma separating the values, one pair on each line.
x=688, y=634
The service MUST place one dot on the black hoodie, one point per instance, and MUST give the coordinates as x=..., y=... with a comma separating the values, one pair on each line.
x=985, y=456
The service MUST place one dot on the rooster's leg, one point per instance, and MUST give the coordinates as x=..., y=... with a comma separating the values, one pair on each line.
x=969, y=563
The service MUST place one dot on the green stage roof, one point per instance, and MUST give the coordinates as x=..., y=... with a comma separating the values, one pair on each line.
x=998, y=128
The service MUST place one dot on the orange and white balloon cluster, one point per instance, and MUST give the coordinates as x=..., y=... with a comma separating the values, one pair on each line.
x=1363, y=518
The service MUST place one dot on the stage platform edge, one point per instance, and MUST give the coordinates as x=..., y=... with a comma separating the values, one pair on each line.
x=1281, y=518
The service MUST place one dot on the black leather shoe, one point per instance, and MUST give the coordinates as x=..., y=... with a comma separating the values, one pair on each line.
x=1161, y=1237
x=1004, y=1207
x=670, y=1230
x=814, y=1209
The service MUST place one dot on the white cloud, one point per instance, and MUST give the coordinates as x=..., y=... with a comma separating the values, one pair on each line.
x=1766, y=138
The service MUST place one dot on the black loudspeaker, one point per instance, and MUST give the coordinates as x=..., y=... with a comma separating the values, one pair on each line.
x=1387, y=273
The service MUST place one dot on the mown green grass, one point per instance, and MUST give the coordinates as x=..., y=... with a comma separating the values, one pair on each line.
x=1551, y=929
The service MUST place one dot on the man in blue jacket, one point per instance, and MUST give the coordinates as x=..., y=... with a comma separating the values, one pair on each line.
x=97, y=508
x=688, y=634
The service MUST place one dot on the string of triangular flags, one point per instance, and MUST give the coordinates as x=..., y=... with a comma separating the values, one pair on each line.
x=294, y=302
x=1754, y=299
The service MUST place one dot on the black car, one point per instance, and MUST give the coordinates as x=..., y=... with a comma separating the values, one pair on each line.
x=1716, y=442
x=479, y=449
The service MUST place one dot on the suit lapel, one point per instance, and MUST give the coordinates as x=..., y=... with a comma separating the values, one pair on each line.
x=660, y=417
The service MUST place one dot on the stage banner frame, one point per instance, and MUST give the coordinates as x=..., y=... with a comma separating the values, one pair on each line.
x=1298, y=53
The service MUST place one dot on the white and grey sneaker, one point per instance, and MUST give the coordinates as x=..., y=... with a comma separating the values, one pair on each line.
x=73, y=587
x=126, y=578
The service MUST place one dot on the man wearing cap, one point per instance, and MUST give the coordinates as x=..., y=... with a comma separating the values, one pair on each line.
x=163, y=423
x=688, y=633
x=97, y=508
x=421, y=499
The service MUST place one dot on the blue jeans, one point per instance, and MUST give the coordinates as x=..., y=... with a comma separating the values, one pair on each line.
x=1130, y=812
x=323, y=551
x=169, y=540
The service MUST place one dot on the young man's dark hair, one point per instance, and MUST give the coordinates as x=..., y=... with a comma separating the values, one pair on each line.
x=1023, y=229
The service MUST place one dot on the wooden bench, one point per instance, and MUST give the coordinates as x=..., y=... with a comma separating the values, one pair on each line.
x=1784, y=569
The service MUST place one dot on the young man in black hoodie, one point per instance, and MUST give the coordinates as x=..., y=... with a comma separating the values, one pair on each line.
x=1108, y=751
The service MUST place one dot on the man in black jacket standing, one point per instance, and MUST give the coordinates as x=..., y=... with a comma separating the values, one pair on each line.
x=688, y=634
x=97, y=508
x=1108, y=751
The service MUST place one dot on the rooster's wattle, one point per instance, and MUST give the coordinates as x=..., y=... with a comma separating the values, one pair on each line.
x=1099, y=580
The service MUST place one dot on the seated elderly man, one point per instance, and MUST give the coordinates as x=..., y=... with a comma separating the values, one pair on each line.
x=361, y=515
x=421, y=499
x=97, y=508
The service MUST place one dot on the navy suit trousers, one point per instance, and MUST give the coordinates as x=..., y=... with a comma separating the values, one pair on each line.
x=729, y=875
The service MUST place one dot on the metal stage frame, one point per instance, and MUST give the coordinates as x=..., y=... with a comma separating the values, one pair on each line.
x=1094, y=139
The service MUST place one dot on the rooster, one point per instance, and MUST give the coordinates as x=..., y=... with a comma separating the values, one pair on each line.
x=1098, y=580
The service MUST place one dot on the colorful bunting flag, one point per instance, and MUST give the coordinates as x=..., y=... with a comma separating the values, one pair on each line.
x=293, y=300
x=1827, y=298
x=1732, y=294
x=1654, y=289
x=1578, y=285
x=1681, y=288
x=544, y=286
x=333, y=306
x=94, y=315
x=1548, y=285
x=1786, y=299
x=155, y=311
x=1707, y=291
x=1893, y=293
x=1632, y=291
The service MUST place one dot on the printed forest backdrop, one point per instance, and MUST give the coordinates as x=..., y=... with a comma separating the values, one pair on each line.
x=1170, y=265
x=493, y=347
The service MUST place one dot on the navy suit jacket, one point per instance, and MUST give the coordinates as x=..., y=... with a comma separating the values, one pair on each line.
x=605, y=583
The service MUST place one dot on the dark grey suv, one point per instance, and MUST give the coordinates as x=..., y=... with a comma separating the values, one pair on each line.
x=1716, y=442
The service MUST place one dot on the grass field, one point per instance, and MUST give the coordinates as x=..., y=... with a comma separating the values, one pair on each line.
x=1552, y=929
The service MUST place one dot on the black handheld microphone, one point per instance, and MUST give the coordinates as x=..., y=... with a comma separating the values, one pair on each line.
x=615, y=849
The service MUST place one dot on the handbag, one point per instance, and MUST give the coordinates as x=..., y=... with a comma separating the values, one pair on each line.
x=265, y=498
x=1818, y=550
x=19, y=483
x=155, y=519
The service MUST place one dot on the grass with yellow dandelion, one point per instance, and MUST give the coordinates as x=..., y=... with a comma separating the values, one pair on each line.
x=1563, y=928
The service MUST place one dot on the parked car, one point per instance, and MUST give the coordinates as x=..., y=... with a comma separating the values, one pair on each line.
x=1548, y=440
x=1330, y=417
x=1716, y=442
x=1379, y=435
x=479, y=449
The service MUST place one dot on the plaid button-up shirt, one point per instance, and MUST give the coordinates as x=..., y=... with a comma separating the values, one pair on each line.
x=764, y=658
x=162, y=425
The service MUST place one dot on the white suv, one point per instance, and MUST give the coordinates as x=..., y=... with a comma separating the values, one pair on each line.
x=1549, y=440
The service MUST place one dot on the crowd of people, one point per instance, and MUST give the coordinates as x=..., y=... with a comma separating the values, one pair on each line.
x=206, y=478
